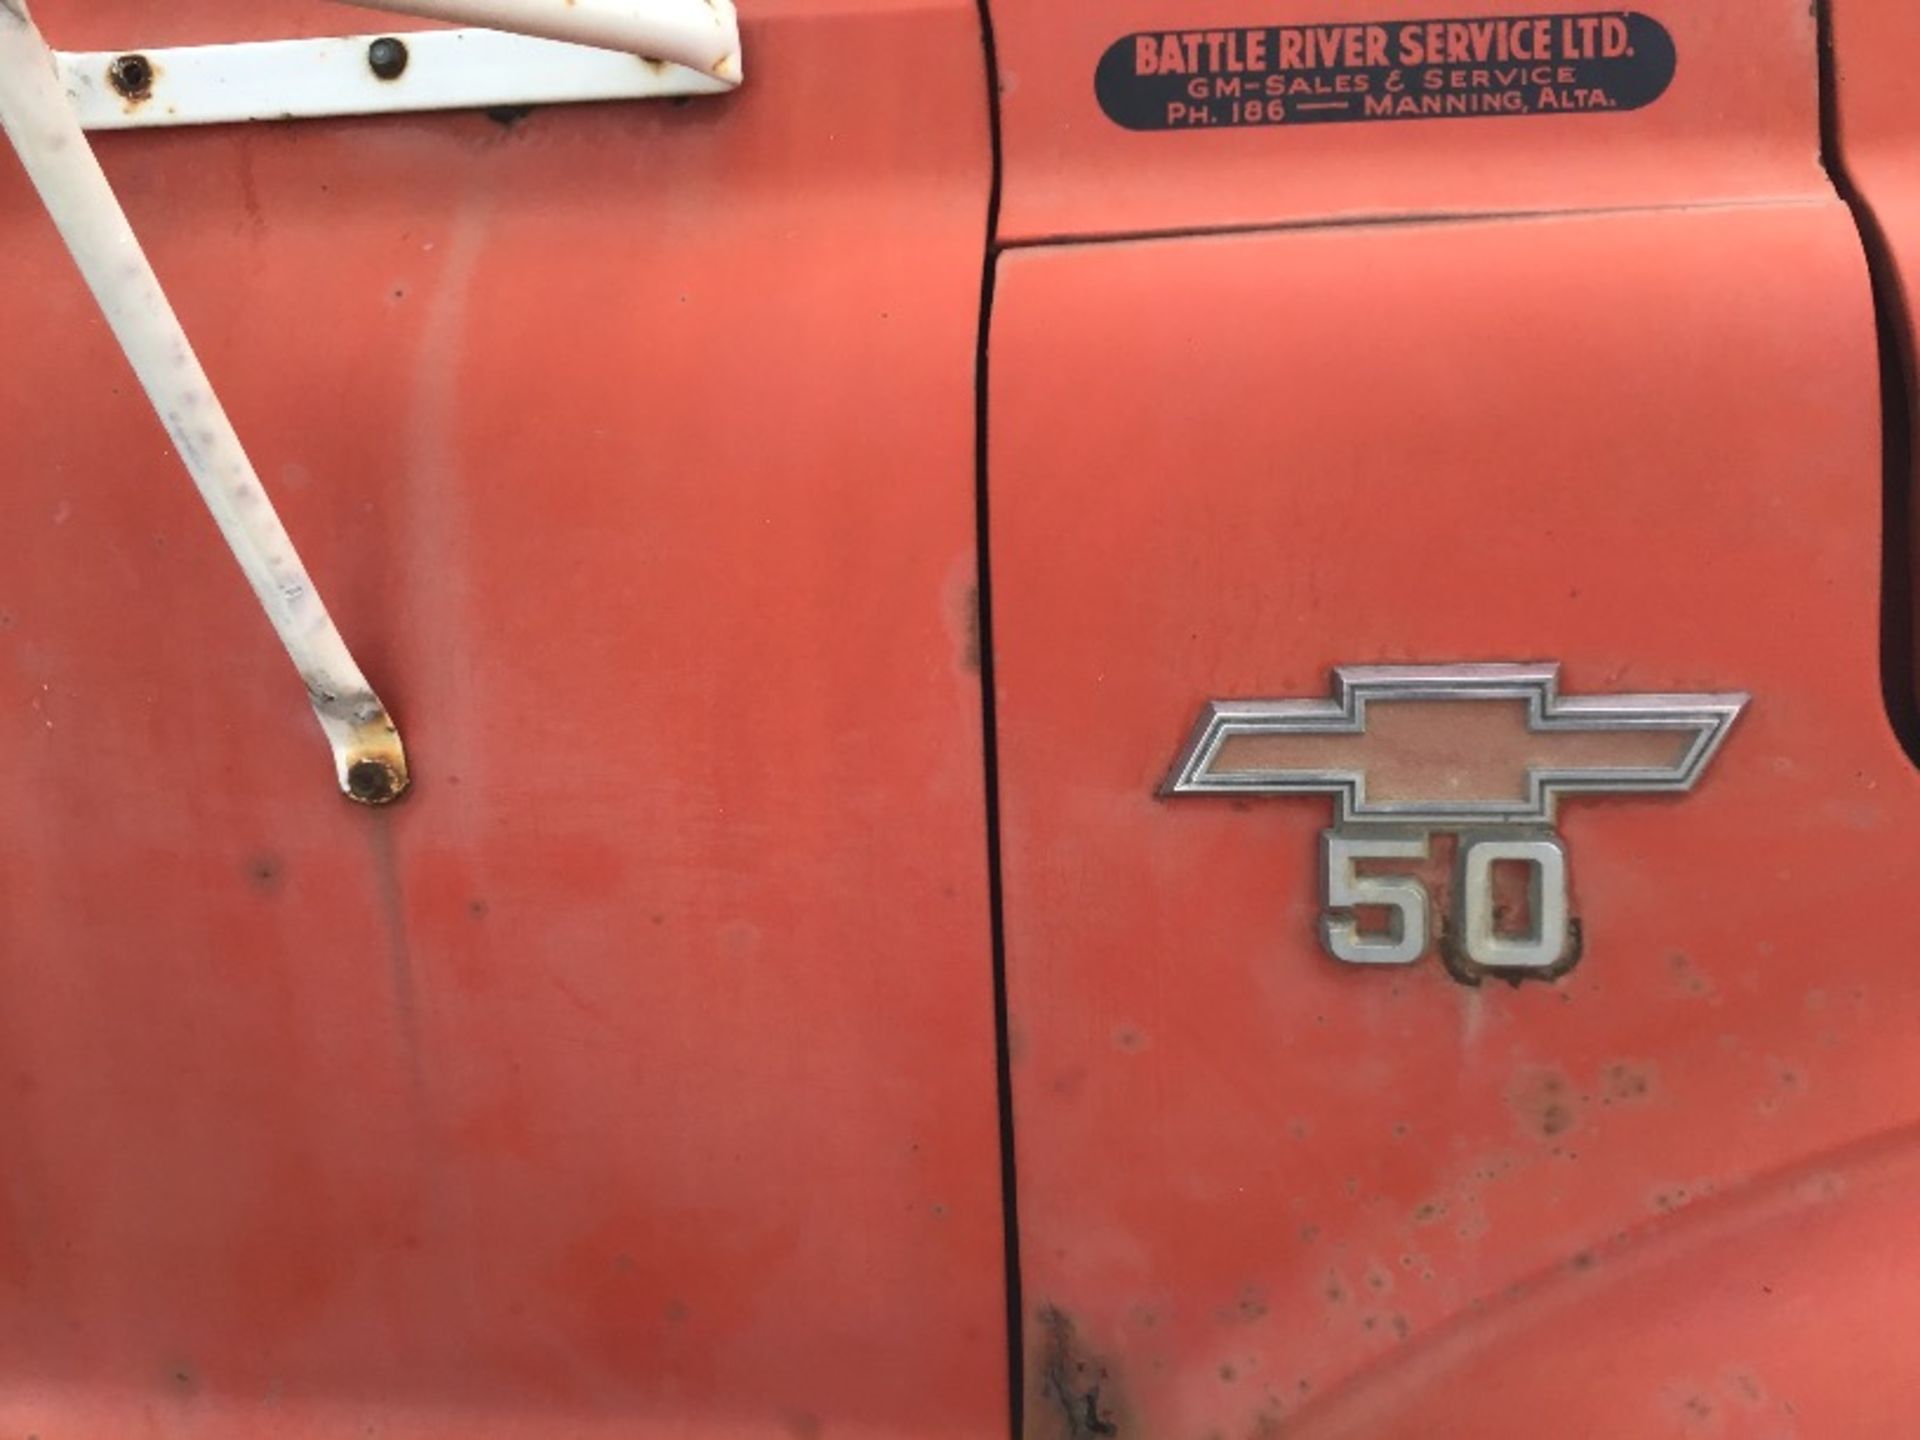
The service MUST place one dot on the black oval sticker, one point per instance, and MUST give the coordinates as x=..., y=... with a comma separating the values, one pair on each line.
x=1393, y=70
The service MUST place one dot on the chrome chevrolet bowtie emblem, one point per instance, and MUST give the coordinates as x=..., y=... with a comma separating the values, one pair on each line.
x=1479, y=752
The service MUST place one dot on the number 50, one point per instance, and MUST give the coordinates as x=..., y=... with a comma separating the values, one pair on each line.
x=1409, y=910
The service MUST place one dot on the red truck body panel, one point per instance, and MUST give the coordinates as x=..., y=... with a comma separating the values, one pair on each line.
x=637, y=1072
x=796, y=531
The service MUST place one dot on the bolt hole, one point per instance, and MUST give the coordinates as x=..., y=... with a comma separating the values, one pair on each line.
x=131, y=76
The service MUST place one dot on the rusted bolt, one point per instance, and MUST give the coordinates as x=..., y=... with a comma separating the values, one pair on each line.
x=387, y=57
x=373, y=782
x=131, y=76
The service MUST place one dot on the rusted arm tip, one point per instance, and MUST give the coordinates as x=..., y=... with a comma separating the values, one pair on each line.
x=376, y=782
x=371, y=761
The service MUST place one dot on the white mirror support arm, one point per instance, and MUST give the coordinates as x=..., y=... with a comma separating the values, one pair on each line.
x=368, y=757
x=38, y=116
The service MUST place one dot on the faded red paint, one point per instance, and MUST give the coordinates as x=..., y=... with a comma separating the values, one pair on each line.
x=636, y=1073
x=1647, y=445
x=1315, y=1200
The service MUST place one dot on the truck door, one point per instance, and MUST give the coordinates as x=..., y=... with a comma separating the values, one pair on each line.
x=635, y=1074
x=1401, y=396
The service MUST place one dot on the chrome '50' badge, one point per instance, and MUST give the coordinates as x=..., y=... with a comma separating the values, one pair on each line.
x=1474, y=755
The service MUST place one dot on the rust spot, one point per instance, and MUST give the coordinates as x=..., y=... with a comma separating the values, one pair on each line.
x=1694, y=1407
x=1128, y=1038
x=1544, y=1103
x=264, y=872
x=1454, y=957
x=1788, y=1078
x=1744, y=1384
x=970, y=646
x=131, y=77
x=1626, y=1082
x=804, y=1426
x=1688, y=978
x=1074, y=1394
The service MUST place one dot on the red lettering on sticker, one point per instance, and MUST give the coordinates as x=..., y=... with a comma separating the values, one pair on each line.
x=1401, y=69
x=1205, y=52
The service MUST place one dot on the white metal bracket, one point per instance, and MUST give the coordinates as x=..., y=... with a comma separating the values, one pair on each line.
x=43, y=98
x=372, y=74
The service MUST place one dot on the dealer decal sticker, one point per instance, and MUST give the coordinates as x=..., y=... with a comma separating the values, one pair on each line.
x=1396, y=70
